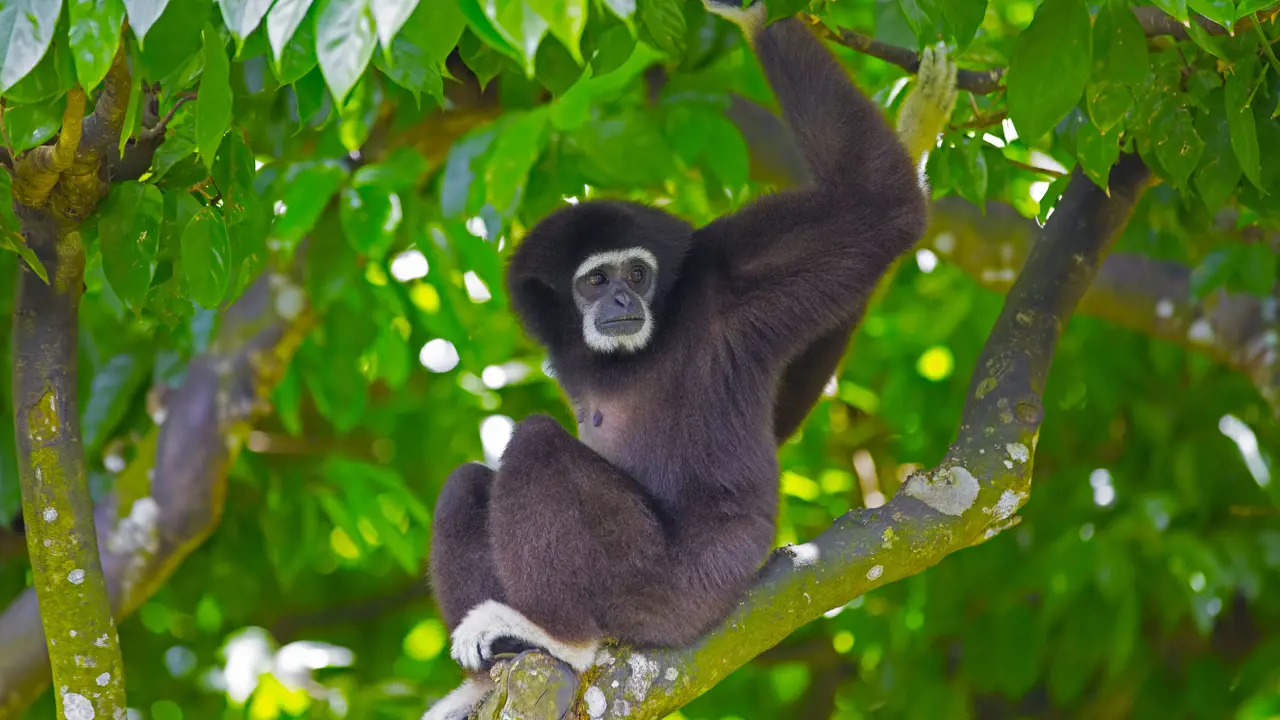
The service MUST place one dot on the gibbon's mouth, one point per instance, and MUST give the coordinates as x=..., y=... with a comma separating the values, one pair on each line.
x=621, y=325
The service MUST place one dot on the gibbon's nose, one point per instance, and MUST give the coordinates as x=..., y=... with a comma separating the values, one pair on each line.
x=622, y=298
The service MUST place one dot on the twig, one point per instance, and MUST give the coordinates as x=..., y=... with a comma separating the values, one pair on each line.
x=153, y=132
x=4, y=135
x=1036, y=169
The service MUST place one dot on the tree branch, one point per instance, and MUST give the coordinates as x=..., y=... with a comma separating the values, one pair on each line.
x=144, y=540
x=1154, y=21
x=973, y=494
x=1150, y=296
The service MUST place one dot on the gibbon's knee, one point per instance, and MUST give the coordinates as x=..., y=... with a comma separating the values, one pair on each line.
x=465, y=491
x=461, y=570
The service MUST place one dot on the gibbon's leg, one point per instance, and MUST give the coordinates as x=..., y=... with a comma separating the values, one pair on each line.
x=462, y=570
x=582, y=554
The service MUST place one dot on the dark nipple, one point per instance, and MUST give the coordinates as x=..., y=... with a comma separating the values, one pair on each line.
x=597, y=419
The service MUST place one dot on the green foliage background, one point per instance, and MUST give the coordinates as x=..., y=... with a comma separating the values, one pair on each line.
x=1144, y=579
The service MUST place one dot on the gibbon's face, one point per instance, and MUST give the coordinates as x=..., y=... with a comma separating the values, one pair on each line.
x=612, y=290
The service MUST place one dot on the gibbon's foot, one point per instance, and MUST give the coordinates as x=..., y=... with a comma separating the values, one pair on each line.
x=927, y=108
x=459, y=703
x=491, y=629
x=750, y=18
x=937, y=78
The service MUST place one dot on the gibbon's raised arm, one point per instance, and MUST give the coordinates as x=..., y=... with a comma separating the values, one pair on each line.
x=801, y=262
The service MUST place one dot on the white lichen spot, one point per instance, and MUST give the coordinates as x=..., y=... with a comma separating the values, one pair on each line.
x=643, y=673
x=1008, y=464
x=944, y=243
x=74, y=633
x=671, y=674
x=604, y=658
x=48, y=542
x=621, y=708
x=50, y=514
x=596, y=704
x=1200, y=332
x=136, y=537
x=76, y=707
x=1164, y=309
x=1018, y=452
x=990, y=533
x=952, y=491
x=75, y=577
x=290, y=302
x=875, y=572
x=804, y=555
x=103, y=679
x=101, y=642
x=1006, y=506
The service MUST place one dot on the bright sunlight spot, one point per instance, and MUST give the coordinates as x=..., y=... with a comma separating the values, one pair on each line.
x=842, y=642
x=476, y=289
x=936, y=363
x=495, y=433
x=438, y=355
x=426, y=640
x=476, y=227
x=1104, y=493
x=409, y=265
x=1247, y=442
x=926, y=260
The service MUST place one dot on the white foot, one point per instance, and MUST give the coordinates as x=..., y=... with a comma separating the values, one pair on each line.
x=459, y=703
x=485, y=623
x=750, y=19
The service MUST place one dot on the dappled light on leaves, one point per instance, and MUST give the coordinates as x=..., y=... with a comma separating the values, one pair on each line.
x=936, y=363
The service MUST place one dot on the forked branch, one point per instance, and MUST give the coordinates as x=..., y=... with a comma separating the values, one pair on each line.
x=971, y=496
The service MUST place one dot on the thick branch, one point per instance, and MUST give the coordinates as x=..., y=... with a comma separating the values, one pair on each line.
x=1134, y=291
x=144, y=540
x=57, y=509
x=984, y=479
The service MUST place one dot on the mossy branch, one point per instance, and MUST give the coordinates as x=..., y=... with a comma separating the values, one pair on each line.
x=143, y=540
x=970, y=497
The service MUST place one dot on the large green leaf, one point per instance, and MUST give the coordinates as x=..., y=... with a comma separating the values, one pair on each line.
x=213, y=99
x=142, y=15
x=439, y=29
x=308, y=188
x=344, y=43
x=129, y=231
x=283, y=22
x=31, y=125
x=206, y=254
x=1173, y=135
x=1050, y=67
x=369, y=217
x=566, y=18
x=1120, y=64
x=1219, y=171
x=663, y=21
x=409, y=63
x=1244, y=132
x=1097, y=151
x=517, y=149
x=173, y=53
x=95, y=34
x=26, y=29
x=390, y=15
x=243, y=16
x=115, y=386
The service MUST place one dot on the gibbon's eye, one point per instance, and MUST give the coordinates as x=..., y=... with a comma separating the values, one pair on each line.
x=596, y=278
x=637, y=274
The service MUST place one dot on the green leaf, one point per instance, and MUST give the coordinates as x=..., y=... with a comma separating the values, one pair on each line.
x=283, y=22
x=918, y=16
x=1258, y=271
x=1222, y=12
x=624, y=9
x=1176, y=143
x=1176, y=8
x=481, y=19
x=963, y=18
x=344, y=43
x=611, y=49
x=129, y=232
x=369, y=219
x=566, y=18
x=299, y=56
x=213, y=98
x=1050, y=67
x=408, y=63
x=1244, y=133
x=31, y=125
x=54, y=75
x=115, y=385
x=143, y=14
x=1215, y=268
x=308, y=188
x=1219, y=171
x=1120, y=65
x=624, y=151
x=133, y=107
x=436, y=26
x=460, y=169
x=726, y=152
x=206, y=253
x=95, y=34
x=10, y=230
x=664, y=24
x=173, y=52
x=519, y=145
x=243, y=17
x=521, y=26
x=30, y=25
x=971, y=174
x=1097, y=152
x=1207, y=42
x=389, y=16
x=400, y=169
x=557, y=71
x=233, y=168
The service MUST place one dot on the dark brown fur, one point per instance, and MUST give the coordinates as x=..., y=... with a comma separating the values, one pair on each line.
x=651, y=536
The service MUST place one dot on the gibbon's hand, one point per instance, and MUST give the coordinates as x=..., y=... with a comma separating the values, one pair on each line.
x=927, y=109
x=750, y=18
